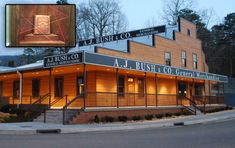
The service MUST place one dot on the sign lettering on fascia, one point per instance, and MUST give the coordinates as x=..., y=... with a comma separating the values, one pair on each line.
x=147, y=67
x=122, y=36
x=65, y=59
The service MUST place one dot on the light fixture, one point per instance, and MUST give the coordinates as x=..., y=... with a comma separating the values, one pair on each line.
x=130, y=80
x=185, y=92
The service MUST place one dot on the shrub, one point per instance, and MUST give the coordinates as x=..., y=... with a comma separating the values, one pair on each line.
x=186, y=112
x=177, y=114
x=159, y=116
x=122, y=118
x=136, y=118
x=148, y=117
x=168, y=114
x=107, y=119
x=97, y=119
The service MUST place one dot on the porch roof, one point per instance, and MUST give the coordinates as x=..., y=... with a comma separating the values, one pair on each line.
x=114, y=62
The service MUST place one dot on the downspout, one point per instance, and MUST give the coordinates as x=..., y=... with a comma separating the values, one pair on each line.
x=21, y=85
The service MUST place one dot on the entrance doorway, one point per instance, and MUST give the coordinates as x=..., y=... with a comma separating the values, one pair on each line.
x=182, y=89
x=59, y=83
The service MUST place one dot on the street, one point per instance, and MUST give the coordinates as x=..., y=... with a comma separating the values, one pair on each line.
x=214, y=135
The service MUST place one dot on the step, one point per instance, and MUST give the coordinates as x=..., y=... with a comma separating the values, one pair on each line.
x=56, y=116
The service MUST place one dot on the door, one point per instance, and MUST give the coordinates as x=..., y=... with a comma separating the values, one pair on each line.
x=59, y=83
x=80, y=86
x=182, y=92
x=131, y=91
x=16, y=89
x=182, y=89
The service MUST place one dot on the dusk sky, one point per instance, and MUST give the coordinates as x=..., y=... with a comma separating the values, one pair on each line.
x=138, y=12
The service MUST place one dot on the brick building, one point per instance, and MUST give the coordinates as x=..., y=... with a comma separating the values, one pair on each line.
x=159, y=69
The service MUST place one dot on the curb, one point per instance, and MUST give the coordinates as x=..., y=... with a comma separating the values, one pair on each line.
x=69, y=130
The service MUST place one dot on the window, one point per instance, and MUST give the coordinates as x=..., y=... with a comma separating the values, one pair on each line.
x=184, y=64
x=121, y=86
x=80, y=86
x=188, y=32
x=198, y=90
x=140, y=87
x=59, y=82
x=16, y=89
x=35, y=87
x=195, y=61
x=0, y=88
x=168, y=58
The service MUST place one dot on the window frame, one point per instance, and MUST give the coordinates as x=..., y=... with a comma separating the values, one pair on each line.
x=168, y=64
x=184, y=64
x=188, y=32
x=195, y=62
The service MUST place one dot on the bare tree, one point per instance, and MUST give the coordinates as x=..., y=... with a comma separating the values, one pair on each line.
x=171, y=9
x=99, y=17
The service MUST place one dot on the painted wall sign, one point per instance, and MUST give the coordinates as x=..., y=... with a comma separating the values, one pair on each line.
x=63, y=59
x=122, y=36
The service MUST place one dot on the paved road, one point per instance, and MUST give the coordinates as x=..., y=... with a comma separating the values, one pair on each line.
x=212, y=135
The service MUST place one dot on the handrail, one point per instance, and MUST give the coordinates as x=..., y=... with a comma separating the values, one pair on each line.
x=192, y=103
x=66, y=106
x=41, y=99
x=57, y=100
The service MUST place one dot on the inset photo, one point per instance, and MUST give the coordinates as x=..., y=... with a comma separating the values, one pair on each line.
x=40, y=25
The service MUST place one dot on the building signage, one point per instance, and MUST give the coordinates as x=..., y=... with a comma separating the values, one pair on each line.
x=63, y=59
x=122, y=36
x=104, y=60
x=115, y=62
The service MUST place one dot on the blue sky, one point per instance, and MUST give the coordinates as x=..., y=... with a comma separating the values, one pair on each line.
x=138, y=12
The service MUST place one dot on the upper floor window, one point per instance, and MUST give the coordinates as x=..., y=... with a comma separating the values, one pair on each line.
x=195, y=66
x=188, y=32
x=184, y=63
x=168, y=58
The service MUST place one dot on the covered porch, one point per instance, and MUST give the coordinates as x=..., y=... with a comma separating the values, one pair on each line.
x=87, y=86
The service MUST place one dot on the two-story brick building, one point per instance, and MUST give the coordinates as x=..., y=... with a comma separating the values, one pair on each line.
x=159, y=69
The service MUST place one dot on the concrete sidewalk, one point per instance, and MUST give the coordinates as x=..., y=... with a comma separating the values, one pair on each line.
x=32, y=127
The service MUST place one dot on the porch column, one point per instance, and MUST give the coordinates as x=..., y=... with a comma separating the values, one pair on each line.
x=85, y=88
x=223, y=88
x=193, y=91
x=50, y=81
x=21, y=86
x=209, y=92
x=117, y=81
x=177, y=98
x=156, y=88
x=145, y=90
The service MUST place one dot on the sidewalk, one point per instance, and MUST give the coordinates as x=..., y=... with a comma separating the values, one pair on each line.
x=32, y=127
